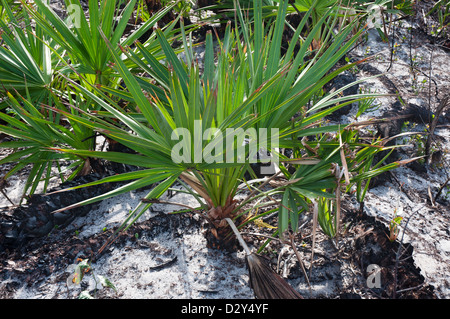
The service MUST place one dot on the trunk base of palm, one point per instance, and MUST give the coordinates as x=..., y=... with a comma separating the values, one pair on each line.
x=92, y=166
x=221, y=235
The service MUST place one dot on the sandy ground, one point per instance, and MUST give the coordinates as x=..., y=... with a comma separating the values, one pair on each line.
x=174, y=260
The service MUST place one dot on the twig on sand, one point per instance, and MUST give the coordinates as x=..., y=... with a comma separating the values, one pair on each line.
x=442, y=105
x=398, y=254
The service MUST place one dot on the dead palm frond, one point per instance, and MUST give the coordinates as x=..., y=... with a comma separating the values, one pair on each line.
x=265, y=283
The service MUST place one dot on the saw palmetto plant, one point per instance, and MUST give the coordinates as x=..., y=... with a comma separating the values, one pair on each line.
x=34, y=131
x=80, y=37
x=208, y=125
x=248, y=84
x=29, y=66
x=34, y=63
x=28, y=58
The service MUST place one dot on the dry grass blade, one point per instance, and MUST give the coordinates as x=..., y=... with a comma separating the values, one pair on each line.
x=265, y=283
x=344, y=162
x=268, y=180
x=362, y=124
x=302, y=161
x=314, y=228
x=338, y=209
x=441, y=188
x=338, y=188
x=299, y=259
x=338, y=174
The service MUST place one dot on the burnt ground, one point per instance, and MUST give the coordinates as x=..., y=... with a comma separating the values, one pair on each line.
x=173, y=256
x=339, y=269
x=365, y=243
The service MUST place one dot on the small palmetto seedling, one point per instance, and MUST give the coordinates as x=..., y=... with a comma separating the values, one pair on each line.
x=366, y=105
x=28, y=58
x=327, y=217
x=77, y=274
x=81, y=38
x=347, y=161
x=362, y=162
x=394, y=226
x=34, y=132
